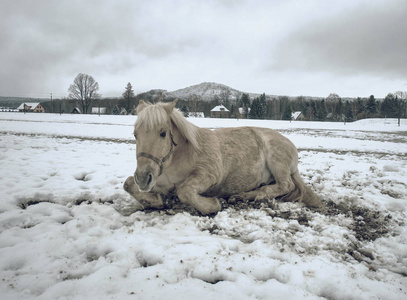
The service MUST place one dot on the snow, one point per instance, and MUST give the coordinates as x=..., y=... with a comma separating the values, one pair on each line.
x=69, y=231
x=219, y=108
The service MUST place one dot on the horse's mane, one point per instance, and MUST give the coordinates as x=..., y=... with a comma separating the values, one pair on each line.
x=154, y=115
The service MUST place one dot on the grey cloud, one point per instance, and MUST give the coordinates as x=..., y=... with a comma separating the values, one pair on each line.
x=171, y=44
x=370, y=39
x=44, y=39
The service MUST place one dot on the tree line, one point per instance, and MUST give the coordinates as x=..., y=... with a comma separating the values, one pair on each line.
x=84, y=91
x=332, y=108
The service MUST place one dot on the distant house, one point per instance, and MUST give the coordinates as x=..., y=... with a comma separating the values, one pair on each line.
x=197, y=114
x=8, y=109
x=76, y=110
x=119, y=111
x=99, y=110
x=243, y=114
x=297, y=116
x=220, y=112
x=31, y=107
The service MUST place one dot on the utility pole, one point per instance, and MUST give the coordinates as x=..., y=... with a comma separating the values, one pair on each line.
x=52, y=104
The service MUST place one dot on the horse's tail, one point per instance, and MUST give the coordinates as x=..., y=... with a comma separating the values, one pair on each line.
x=302, y=192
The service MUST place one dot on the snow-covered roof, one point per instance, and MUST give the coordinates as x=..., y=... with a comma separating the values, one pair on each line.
x=76, y=109
x=243, y=111
x=219, y=108
x=295, y=115
x=32, y=105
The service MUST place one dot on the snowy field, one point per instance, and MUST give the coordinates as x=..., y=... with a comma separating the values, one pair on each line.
x=69, y=231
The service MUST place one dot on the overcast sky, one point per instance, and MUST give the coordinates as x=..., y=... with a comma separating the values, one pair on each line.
x=312, y=48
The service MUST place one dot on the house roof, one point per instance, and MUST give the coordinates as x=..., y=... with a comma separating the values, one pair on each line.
x=77, y=109
x=295, y=115
x=32, y=105
x=242, y=110
x=219, y=108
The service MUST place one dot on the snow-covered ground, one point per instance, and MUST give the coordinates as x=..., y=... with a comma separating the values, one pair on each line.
x=69, y=231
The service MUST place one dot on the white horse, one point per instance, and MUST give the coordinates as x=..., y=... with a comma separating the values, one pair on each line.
x=250, y=163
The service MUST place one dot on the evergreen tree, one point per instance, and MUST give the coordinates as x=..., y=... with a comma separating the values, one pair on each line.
x=393, y=107
x=348, y=112
x=185, y=111
x=310, y=112
x=262, y=107
x=287, y=113
x=255, y=109
x=269, y=108
x=302, y=105
x=358, y=108
x=339, y=109
x=245, y=100
x=283, y=101
x=371, y=106
x=313, y=111
x=321, y=110
x=128, y=97
x=389, y=106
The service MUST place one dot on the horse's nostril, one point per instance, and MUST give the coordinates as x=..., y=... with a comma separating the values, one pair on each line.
x=150, y=178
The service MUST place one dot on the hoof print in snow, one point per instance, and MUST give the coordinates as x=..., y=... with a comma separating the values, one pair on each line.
x=24, y=203
x=83, y=176
x=146, y=260
x=81, y=201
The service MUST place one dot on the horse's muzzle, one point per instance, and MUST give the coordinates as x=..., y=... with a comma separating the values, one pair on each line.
x=144, y=179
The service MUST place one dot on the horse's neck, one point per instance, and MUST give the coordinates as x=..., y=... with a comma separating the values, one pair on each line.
x=183, y=146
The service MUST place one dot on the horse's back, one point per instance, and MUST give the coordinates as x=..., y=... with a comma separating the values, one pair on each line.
x=244, y=153
x=253, y=140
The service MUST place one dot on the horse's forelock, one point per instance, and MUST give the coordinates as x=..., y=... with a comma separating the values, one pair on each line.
x=152, y=116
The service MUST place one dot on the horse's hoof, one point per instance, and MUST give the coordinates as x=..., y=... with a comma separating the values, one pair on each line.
x=232, y=200
x=273, y=204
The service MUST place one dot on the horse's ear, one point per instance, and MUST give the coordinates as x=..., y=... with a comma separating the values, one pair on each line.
x=141, y=105
x=170, y=106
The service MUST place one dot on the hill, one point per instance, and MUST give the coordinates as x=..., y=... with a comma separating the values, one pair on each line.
x=206, y=91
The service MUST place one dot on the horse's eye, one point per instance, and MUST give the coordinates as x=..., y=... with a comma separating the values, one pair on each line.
x=163, y=134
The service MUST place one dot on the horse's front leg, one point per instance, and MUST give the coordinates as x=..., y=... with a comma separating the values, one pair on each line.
x=189, y=192
x=148, y=200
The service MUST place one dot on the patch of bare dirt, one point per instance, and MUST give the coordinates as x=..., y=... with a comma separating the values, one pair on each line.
x=367, y=224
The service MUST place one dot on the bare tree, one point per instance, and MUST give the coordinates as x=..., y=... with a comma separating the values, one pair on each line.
x=333, y=105
x=84, y=90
